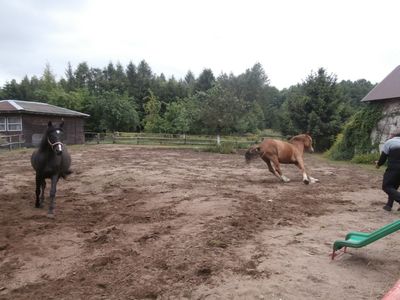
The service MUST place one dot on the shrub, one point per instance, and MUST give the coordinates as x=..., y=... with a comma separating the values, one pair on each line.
x=355, y=138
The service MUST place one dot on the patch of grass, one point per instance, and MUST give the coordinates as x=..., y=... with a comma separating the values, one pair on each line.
x=368, y=158
x=217, y=243
x=223, y=148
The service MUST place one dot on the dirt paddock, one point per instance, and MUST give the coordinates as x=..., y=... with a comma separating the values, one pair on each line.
x=145, y=223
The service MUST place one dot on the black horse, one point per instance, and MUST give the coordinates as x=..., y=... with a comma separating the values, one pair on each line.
x=51, y=160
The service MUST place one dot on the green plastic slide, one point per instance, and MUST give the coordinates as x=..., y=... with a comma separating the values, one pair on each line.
x=356, y=239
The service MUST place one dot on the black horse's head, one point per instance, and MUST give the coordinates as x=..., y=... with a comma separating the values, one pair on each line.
x=55, y=137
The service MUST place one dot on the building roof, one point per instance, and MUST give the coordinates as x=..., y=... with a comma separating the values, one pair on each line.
x=389, y=88
x=18, y=106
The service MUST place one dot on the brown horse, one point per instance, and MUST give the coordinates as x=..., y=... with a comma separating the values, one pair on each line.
x=274, y=152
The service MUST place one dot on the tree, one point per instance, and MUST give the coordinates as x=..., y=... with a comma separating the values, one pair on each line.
x=271, y=102
x=205, y=81
x=252, y=83
x=177, y=118
x=252, y=87
x=48, y=79
x=221, y=110
x=74, y=100
x=132, y=79
x=114, y=78
x=47, y=86
x=189, y=78
x=70, y=81
x=11, y=90
x=95, y=83
x=152, y=121
x=25, y=89
x=354, y=91
x=143, y=85
x=251, y=120
x=170, y=90
x=82, y=75
x=190, y=82
x=315, y=107
x=112, y=111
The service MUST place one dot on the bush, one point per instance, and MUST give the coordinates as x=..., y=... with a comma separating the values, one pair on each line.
x=355, y=140
x=338, y=151
x=367, y=158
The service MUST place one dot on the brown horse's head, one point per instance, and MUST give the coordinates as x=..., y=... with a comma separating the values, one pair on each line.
x=305, y=139
x=252, y=153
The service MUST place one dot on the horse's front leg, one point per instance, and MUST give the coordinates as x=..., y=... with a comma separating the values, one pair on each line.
x=306, y=179
x=53, y=190
x=43, y=187
x=38, y=187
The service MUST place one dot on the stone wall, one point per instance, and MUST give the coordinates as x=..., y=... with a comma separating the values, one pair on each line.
x=389, y=124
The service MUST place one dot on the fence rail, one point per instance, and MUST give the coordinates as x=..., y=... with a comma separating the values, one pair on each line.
x=167, y=139
x=11, y=141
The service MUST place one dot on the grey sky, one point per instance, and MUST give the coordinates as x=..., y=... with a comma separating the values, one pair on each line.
x=353, y=39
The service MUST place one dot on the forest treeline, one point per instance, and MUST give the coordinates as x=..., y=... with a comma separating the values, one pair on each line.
x=134, y=98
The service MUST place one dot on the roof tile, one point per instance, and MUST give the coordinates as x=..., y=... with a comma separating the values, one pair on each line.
x=389, y=88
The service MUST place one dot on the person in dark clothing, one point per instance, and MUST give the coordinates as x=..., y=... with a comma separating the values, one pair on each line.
x=391, y=178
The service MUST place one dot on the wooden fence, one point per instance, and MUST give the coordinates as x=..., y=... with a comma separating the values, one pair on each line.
x=11, y=141
x=170, y=139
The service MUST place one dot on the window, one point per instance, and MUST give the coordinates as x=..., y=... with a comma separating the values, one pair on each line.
x=2, y=123
x=14, y=124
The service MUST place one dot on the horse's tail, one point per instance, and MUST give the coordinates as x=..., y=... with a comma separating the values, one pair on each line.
x=252, y=153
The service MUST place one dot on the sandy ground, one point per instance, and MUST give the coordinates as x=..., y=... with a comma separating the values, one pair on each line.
x=143, y=223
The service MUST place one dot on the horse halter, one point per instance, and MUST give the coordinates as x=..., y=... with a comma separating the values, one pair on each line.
x=52, y=145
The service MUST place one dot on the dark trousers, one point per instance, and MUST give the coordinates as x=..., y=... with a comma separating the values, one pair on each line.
x=390, y=184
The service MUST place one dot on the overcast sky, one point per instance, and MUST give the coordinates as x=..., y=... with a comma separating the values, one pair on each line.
x=353, y=39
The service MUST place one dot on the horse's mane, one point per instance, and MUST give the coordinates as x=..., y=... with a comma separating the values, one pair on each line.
x=300, y=138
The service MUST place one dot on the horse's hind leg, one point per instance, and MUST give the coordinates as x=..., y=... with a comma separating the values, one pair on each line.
x=276, y=170
x=53, y=190
x=275, y=161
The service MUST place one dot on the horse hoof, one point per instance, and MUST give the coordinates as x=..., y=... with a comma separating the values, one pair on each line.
x=306, y=181
x=50, y=215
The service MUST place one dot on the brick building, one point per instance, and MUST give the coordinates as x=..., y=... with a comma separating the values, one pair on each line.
x=31, y=118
